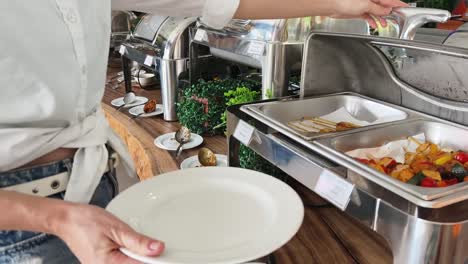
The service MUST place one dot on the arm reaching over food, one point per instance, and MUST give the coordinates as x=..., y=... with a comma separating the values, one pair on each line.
x=217, y=13
x=260, y=9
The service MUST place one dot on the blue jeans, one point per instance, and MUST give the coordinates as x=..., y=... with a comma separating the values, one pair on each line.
x=30, y=248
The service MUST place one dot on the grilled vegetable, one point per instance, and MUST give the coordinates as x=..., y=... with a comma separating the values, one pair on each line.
x=442, y=184
x=445, y=174
x=459, y=172
x=422, y=164
x=461, y=157
x=451, y=181
x=378, y=167
x=443, y=159
x=428, y=182
x=428, y=148
x=406, y=175
x=432, y=174
x=416, y=179
x=429, y=166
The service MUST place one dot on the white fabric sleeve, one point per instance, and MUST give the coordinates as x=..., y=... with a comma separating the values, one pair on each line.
x=214, y=13
x=218, y=13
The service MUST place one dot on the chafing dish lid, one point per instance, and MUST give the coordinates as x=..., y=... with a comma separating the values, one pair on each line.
x=148, y=27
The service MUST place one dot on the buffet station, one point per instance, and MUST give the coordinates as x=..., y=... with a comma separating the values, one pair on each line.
x=380, y=132
x=370, y=123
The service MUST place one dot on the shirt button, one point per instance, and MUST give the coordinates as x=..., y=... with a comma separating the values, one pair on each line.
x=83, y=69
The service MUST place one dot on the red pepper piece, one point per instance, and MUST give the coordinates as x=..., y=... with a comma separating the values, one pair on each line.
x=462, y=157
x=426, y=163
x=451, y=181
x=442, y=184
x=428, y=182
x=390, y=166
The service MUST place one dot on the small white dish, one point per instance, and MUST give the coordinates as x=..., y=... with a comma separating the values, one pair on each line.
x=168, y=142
x=211, y=215
x=137, y=110
x=193, y=162
x=147, y=79
x=139, y=100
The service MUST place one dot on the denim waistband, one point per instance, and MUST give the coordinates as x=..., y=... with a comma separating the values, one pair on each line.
x=10, y=178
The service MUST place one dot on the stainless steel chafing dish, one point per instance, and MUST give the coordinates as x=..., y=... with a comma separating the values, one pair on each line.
x=425, y=84
x=160, y=43
x=274, y=46
x=121, y=26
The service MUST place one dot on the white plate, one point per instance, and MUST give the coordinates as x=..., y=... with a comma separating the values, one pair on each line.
x=140, y=109
x=168, y=142
x=139, y=100
x=193, y=162
x=211, y=215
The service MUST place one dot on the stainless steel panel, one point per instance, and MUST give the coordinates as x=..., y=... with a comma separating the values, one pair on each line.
x=450, y=136
x=278, y=45
x=458, y=39
x=363, y=68
x=169, y=72
x=432, y=35
x=148, y=27
x=360, y=107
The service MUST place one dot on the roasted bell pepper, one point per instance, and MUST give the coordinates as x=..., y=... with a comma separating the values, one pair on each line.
x=443, y=159
x=451, y=181
x=442, y=184
x=461, y=157
x=432, y=174
x=405, y=175
x=428, y=182
x=420, y=165
x=416, y=179
x=378, y=167
x=390, y=166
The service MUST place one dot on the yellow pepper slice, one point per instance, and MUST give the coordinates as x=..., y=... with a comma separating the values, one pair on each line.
x=432, y=174
x=443, y=159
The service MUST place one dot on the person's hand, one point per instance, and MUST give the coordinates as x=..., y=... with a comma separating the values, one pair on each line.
x=95, y=236
x=371, y=10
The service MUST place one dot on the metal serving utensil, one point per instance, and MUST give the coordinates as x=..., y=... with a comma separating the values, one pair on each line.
x=128, y=99
x=182, y=136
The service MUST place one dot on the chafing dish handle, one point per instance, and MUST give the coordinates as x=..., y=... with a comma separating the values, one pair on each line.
x=410, y=19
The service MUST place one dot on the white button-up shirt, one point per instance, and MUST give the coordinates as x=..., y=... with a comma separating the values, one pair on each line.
x=53, y=61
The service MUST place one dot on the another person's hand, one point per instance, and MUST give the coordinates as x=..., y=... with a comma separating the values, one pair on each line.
x=95, y=236
x=368, y=9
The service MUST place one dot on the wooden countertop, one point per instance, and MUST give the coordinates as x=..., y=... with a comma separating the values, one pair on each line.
x=327, y=235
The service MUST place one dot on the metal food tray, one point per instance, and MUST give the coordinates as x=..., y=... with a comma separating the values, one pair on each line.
x=444, y=134
x=361, y=107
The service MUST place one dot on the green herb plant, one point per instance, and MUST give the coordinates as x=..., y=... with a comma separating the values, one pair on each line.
x=202, y=109
x=202, y=104
x=240, y=95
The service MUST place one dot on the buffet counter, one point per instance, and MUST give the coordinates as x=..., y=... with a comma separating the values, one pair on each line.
x=326, y=236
